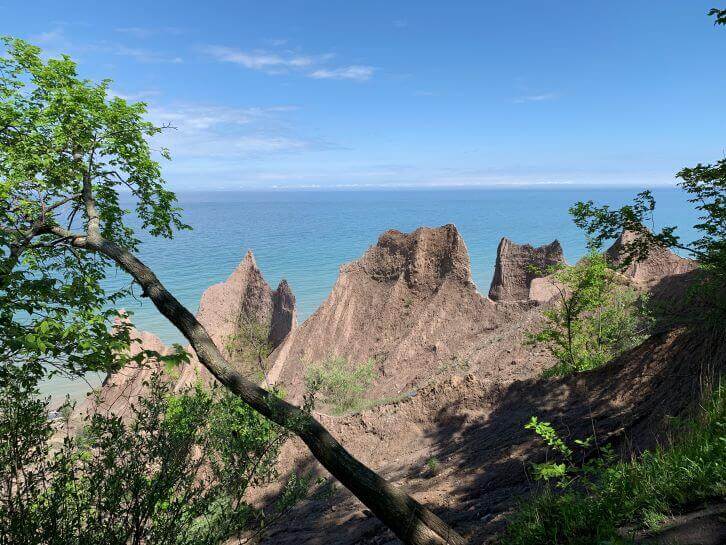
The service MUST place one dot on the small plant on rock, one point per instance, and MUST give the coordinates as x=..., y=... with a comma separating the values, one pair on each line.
x=433, y=465
x=340, y=383
x=250, y=347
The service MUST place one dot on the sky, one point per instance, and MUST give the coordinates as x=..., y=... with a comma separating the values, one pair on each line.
x=376, y=94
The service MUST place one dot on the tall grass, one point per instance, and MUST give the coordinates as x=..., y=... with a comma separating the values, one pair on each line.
x=640, y=493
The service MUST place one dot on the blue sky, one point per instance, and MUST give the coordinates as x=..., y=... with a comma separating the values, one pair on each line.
x=372, y=93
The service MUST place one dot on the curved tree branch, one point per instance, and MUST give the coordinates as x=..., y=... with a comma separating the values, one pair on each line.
x=409, y=520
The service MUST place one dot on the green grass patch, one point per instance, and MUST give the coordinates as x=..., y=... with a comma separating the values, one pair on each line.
x=591, y=507
x=340, y=383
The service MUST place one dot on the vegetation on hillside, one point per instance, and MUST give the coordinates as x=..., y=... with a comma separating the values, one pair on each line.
x=594, y=317
x=588, y=495
x=173, y=471
x=588, y=498
x=340, y=383
x=249, y=348
x=68, y=148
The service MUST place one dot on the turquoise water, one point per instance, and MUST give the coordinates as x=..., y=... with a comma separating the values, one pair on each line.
x=304, y=236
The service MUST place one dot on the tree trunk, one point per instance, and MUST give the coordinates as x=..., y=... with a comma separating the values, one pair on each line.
x=412, y=522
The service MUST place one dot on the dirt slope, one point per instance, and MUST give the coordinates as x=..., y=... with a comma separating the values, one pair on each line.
x=474, y=428
x=244, y=296
x=410, y=303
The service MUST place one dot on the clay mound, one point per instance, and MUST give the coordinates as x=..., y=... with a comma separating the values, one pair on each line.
x=284, y=313
x=664, y=274
x=660, y=263
x=245, y=295
x=243, y=298
x=475, y=429
x=423, y=259
x=517, y=265
x=123, y=388
x=409, y=302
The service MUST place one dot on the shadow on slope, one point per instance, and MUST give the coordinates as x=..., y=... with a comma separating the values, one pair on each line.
x=484, y=450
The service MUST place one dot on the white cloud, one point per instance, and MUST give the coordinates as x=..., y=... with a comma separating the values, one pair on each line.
x=354, y=72
x=262, y=60
x=143, y=55
x=209, y=142
x=536, y=98
x=56, y=41
x=283, y=62
x=133, y=97
x=147, y=32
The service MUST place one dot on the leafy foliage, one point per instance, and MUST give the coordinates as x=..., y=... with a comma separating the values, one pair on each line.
x=706, y=187
x=250, y=347
x=569, y=467
x=594, y=318
x=719, y=15
x=175, y=472
x=432, y=465
x=341, y=383
x=600, y=496
x=60, y=134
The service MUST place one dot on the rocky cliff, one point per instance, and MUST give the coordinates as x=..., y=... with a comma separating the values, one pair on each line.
x=663, y=273
x=122, y=389
x=659, y=264
x=246, y=297
x=224, y=308
x=454, y=378
x=518, y=264
x=410, y=304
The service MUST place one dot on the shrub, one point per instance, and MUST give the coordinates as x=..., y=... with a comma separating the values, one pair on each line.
x=249, y=348
x=341, y=383
x=594, y=317
x=174, y=472
x=593, y=499
x=433, y=464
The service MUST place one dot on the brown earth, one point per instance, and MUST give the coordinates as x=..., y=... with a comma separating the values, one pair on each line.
x=474, y=428
x=244, y=297
x=518, y=264
x=410, y=304
x=455, y=380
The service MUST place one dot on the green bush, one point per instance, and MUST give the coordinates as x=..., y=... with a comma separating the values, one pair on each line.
x=249, y=348
x=174, y=471
x=593, y=499
x=594, y=318
x=341, y=383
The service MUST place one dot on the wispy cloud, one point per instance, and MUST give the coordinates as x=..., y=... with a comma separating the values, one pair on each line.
x=289, y=61
x=262, y=60
x=218, y=142
x=536, y=98
x=148, y=32
x=57, y=41
x=136, y=96
x=143, y=55
x=353, y=72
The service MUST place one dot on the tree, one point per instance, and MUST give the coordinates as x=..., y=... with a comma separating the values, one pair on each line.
x=173, y=472
x=706, y=186
x=719, y=16
x=66, y=150
x=594, y=317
